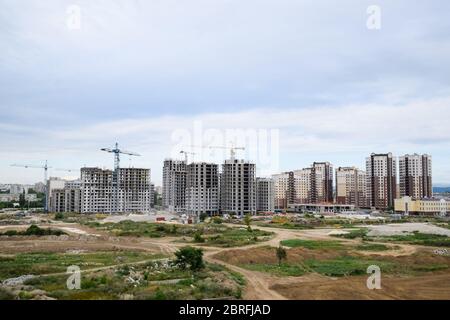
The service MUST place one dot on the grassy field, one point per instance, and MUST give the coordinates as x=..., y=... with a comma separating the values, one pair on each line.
x=47, y=262
x=372, y=247
x=311, y=244
x=424, y=239
x=234, y=237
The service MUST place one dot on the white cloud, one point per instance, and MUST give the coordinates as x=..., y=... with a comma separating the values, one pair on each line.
x=336, y=132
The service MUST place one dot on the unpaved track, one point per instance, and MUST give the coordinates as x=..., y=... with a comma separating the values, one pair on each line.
x=259, y=286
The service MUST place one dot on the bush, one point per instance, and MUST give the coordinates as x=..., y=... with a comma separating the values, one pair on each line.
x=59, y=216
x=198, y=238
x=189, y=257
x=217, y=220
x=203, y=216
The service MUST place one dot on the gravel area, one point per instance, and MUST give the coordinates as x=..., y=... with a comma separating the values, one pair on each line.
x=405, y=228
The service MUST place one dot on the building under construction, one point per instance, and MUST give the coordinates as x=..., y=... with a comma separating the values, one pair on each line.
x=105, y=191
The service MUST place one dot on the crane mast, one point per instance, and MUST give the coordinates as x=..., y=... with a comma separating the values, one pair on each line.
x=116, y=177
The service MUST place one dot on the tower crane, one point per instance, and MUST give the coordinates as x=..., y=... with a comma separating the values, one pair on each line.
x=116, y=151
x=45, y=167
x=186, y=155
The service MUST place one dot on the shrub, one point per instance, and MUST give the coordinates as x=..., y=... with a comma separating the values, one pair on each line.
x=217, y=220
x=59, y=216
x=189, y=257
x=198, y=238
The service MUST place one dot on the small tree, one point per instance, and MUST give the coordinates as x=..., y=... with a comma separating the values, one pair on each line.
x=189, y=257
x=22, y=200
x=281, y=254
x=248, y=221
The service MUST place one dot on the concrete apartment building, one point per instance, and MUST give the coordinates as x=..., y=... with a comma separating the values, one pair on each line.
x=98, y=192
x=174, y=185
x=415, y=176
x=351, y=186
x=238, y=187
x=202, y=189
x=265, y=195
x=67, y=199
x=281, y=187
x=308, y=185
x=381, y=180
x=54, y=184
x=321, y=182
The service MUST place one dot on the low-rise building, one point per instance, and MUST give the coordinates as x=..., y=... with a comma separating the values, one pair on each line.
x=320, y=208
x=407, y=205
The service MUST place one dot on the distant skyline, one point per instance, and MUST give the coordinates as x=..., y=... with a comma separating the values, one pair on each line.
x=137, y=71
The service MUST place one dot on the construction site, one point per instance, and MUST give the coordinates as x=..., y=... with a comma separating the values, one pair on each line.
x=130, y=257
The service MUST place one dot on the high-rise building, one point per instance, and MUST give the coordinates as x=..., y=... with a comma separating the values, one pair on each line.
x=238, y=187
x=308, y=185
x=381, y=180
x=174, y=185
x=351, y=186
x=99, y=192
x=322, y=182
x=281, y=187
x=265, y=195
x=415, y=176
x=52, y=184
x=67, y=199
x=202, y=189
x=301, y=184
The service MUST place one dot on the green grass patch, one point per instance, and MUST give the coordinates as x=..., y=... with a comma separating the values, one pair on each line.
x=346, y=266
x=284, y=269
x=353, y=234
x=424, y=239
x=34, y=230
x=312, y=244
x=233, y=237
x=372, y=247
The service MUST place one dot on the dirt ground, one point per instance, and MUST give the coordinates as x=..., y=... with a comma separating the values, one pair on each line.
x=260, y=285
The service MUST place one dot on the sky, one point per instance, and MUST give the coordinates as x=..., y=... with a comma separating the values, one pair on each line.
x=159, y=76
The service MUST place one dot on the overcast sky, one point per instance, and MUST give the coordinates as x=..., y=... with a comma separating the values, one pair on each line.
x=142, y=72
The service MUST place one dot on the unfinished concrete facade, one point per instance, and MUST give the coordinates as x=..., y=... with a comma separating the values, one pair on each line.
x=238, y=187
x=265, y=195
x=174, y=185
x=202, y=189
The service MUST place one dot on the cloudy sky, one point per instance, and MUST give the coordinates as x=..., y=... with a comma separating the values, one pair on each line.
x=145, y=73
